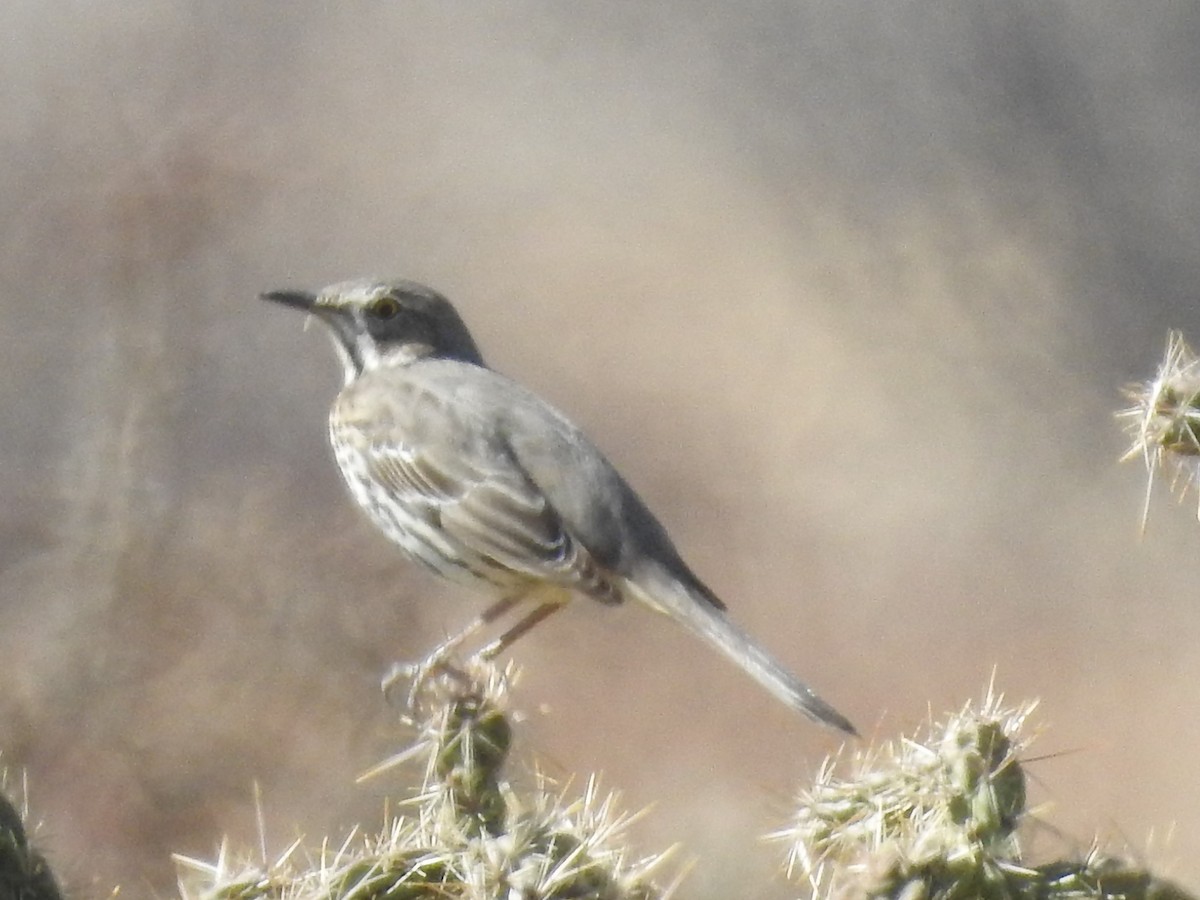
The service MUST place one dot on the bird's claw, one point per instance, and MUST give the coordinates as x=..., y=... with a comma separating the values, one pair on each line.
x=422, y=677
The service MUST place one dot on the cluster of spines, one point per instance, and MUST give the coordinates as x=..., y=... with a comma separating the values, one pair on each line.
x=1164, y=421
x=936, y=817
x=468, y=832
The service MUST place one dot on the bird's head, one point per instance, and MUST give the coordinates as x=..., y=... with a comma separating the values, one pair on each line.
x=378, y=323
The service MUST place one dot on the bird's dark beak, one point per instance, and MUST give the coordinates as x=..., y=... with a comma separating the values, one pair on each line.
x=339, y=319
x=295, y=299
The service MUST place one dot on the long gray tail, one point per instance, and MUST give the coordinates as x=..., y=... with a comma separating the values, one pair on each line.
x=700, y=616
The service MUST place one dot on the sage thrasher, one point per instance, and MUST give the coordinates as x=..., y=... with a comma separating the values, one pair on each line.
x=483, y=482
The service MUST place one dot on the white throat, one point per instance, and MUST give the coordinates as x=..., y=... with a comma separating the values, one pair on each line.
x=372, y=357
x=350, y=367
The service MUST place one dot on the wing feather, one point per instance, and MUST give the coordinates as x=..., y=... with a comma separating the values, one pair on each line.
x=427, y=445
x=494, y=514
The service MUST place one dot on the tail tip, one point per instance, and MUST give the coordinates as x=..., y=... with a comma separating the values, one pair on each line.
x=821, y=712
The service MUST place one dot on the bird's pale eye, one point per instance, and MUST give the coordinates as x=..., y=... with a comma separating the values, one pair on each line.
x=385, y=308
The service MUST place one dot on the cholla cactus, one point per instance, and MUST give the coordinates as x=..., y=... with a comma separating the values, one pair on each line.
x=935, y=817
x=471, y=834
x=916, y=811
x=1164, y=421
x=24, y=873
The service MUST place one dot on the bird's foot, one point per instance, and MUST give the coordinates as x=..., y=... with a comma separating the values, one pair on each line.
x=422, y=677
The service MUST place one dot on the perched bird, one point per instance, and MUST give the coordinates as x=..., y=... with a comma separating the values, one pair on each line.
x=482, y=481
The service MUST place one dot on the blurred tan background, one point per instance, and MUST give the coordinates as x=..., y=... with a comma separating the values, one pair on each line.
x=847, y=290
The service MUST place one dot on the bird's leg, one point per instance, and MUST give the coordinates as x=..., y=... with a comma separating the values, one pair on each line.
x=436, y=660
x=510, y=637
